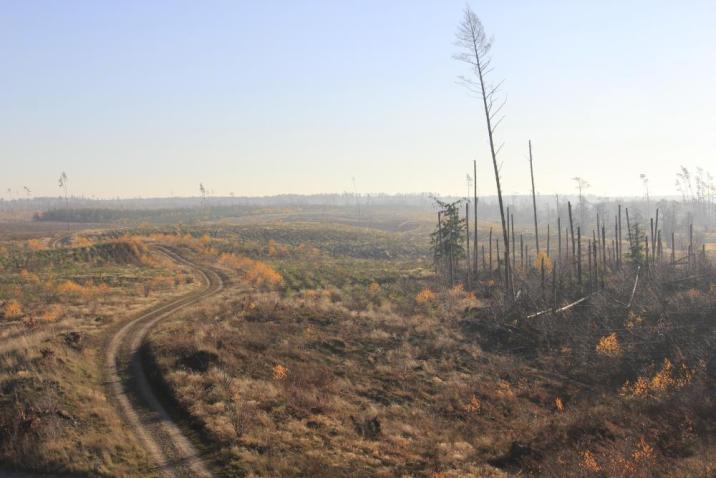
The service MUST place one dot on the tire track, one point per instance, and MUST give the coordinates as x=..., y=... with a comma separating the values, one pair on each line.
x=129, y=388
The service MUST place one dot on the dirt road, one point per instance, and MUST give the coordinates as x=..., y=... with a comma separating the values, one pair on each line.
x=128, y=387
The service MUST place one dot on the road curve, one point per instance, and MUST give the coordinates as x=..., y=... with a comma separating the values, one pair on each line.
x=129, y=388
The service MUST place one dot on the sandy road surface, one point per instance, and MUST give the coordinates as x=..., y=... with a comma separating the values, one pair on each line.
x=128, y=387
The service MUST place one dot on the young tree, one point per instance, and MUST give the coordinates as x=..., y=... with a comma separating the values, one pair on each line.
x=448, y=238
x=475, y=46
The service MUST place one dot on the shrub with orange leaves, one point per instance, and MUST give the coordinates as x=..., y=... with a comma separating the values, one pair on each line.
x=81, y=241
x=35, y=244
x=504, y=390
x=12, y=309
x=425, y=296
x=29, y=277
x=262, y=275
x=609, y=346
x=558, y=404
x=374, y=288
x=52, y=313
x=279, y=372
x=70, y=287
x=643, y=451
x=664, y=380
x=547, y=262
x=473, y=406
x=589, y=462
x=457, y=290
x=258, y=273
x=276, y=250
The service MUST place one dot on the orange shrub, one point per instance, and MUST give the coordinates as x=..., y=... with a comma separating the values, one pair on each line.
x=258, y=273
x=279, y=372
x=547, y=262
x=425, y=296
x=35, y=244
x=12, y=309
x=52, y=313
x=589, y=463
x=29, y=277
x=473, y=406
x=69, y=287
x=608, y=346
x=81, y=241
x=664, y=380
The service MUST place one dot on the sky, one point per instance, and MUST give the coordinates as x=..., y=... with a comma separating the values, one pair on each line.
x=150, y=98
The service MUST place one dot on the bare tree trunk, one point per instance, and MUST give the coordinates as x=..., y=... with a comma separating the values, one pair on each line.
x=656, y=228
x=604, y=250
x=467, y=237
x=559, y=238
x=534, y=199
x=571, y=229
x=631, y=245
x=554, y=283
x=653, y=239
x=589, y=270
x=474, y=204
x=514, y=260
x=619, y=239
x=579, y=255
x=490, y=250
x=440, y=244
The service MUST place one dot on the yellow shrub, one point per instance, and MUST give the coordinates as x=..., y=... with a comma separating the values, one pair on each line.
x=12, y=309
x=664, y=380
x=547, y=262
x=35, y=244
x=256, y=272
x=279, y=372
x=457, y=290
x=29, y=277
x=69, y=287
x=374, y=288
x=608, y=346
x=52, y=313
x=588, y=462
x=473, y=406
x=425, y=296
x=81, y=241
x=261, y=274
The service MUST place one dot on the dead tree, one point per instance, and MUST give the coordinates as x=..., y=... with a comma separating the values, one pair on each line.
x=571, y=230
x=474, y=203
x=534, y=198
x=467, y=239
x=475, y=45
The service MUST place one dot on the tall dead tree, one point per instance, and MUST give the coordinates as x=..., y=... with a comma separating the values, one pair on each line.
x=534, y=198
x=475, y=45
x=474, y=207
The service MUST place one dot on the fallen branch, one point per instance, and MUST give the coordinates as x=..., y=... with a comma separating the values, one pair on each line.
x=633, y=290
x=562, y=309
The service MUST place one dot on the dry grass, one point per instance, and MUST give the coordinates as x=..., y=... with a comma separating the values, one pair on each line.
x=381, y=376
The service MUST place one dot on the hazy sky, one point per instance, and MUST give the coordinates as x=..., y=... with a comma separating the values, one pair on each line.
x=148, y=98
